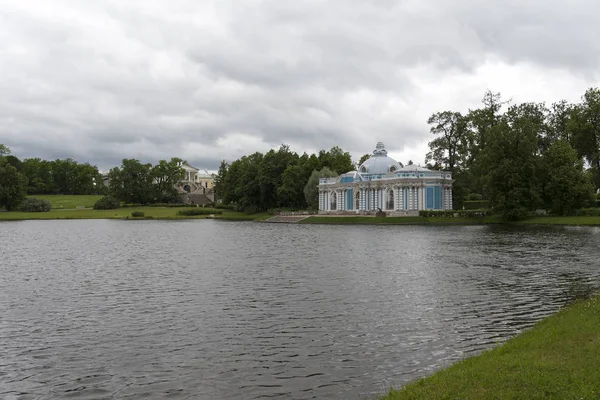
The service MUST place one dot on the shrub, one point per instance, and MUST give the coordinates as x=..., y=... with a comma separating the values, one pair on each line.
x=198, y=211
x=107, y=203
x=515, y=214
x=453, y=213
x=138, y=214
x=588, y=212
x=224, y=206
x=475, y=197
x=476, y=204
x=169, y=205
x=33, y=204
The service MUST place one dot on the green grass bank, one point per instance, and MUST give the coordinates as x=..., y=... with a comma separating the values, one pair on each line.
x=559, y=358
x=125, y=213
x=494, y=219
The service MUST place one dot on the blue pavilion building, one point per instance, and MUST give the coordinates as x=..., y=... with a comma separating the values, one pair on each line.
x=380, y=183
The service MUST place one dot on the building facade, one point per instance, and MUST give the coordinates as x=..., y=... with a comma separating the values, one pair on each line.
x=380, y=183
x=195, y=181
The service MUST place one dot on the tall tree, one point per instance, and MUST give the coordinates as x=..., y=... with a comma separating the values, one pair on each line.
x=567, y=186
x=13, y=185
x=132, y=182
x=364, y=158
x=447, y=150
x=4, y=150
x=584, y=126
x=311, y=190
x=165, y=176
x=511, y=163
x=220, y=187
x=291, y=190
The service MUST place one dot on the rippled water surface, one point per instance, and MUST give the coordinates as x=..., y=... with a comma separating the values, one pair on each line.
x=222, y=310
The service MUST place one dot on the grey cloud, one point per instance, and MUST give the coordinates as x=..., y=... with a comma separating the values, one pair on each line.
x=100, y=81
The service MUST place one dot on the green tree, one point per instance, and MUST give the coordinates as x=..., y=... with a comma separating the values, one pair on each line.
x=164, y=176
x=132, y=182
x=13, y=185
x=271, y=170
x=291, y=191
x=511, y=163
x=448, y=150
x=364, y=158
x=584, y=126
x=4, y=150
x=567, y=185
x=311, y=190
x=336, y=159
x=220, y=187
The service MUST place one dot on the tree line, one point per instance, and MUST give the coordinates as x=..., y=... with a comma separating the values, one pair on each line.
x=139, y=183
x=278, y=179
x=35, y=176
x=132, y=182
x=527, y=157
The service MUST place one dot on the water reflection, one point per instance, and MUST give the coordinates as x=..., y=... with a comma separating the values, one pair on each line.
x=204, y=309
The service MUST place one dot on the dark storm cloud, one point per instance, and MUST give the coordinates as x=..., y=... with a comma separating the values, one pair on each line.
x=101, y=81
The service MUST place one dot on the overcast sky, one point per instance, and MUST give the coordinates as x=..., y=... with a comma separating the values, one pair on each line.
x=101, y=80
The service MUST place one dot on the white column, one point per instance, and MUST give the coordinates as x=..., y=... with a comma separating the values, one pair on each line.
x=341, y=205
x=400, y=198
x=450, y=198
x=372, y=199
x=321, y=200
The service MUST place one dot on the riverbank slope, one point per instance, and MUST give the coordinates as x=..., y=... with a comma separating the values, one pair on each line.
x=125, y=213
x=558, y=358
x=493, y=219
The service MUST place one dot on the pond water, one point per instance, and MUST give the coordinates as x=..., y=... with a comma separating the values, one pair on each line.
x=227, y=310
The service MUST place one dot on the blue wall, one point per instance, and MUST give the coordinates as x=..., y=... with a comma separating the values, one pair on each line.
x=349, y=199
x=433, y=197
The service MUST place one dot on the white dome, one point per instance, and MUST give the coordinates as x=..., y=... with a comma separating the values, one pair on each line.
x=379, y=163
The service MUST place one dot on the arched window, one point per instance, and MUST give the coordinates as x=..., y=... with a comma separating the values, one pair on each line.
x=390, y=200
x=334, y=201
x=363, y=169
x=393, y=168
x=357, y=200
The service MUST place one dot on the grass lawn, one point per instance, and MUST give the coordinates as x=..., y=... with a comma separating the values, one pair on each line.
x=154, y=212
x=559, y=358
x=69, y=201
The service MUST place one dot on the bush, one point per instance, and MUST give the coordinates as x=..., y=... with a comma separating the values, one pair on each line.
x=224, y=206
x=476, y=204
x=453, y=213
x=169, y=205
x=515, y=214
x=198, y=211
x=33, y=204
x=588, y=212
x=138, y=214
x=107, y=203
x=475, y=197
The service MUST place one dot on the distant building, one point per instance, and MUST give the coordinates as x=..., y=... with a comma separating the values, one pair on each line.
x=381, y=183
x=196, y=186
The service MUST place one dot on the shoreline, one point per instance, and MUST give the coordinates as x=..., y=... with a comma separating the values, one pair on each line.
x=490, y=220
x=170, y=213
x=556, y=358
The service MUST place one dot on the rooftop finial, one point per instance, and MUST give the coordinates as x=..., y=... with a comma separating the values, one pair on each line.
x=380, y=150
